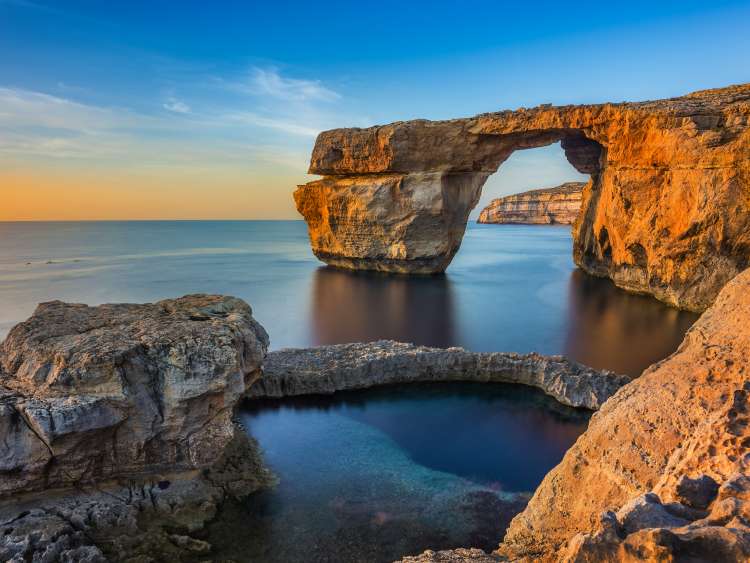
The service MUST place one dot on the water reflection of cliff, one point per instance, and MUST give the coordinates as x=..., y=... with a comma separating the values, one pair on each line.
x=610, y=328
x=362, y=306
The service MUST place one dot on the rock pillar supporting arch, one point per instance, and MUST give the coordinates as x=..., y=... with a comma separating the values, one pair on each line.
x=667, y=210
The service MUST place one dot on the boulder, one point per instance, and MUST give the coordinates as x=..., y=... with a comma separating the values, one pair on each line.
x=122, y=391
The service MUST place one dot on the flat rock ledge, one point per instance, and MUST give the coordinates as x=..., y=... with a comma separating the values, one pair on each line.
x=117, y=430
x=339, y=367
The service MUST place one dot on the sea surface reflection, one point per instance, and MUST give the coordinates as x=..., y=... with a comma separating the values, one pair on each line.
x=510, y=287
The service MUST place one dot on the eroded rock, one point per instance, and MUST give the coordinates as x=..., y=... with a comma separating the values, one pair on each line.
x=666, y=212
x=685, y=418
x=95, y=393
x=326, y=369
x=548, y=206
x=121, y=417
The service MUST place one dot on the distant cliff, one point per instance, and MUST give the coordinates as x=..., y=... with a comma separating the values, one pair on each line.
x=546, y=206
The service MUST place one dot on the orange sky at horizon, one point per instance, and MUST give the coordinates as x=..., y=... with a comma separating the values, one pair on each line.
x=98, y=195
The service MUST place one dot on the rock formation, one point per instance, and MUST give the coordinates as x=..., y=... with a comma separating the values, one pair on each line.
x=667, y=210
x=548, y=206
x=327, y=369
x=662, y=471
x=132, y=404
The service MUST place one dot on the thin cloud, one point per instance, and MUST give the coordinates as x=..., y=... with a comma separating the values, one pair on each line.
x=286, y=126
x=176, y=106
x=269, y=82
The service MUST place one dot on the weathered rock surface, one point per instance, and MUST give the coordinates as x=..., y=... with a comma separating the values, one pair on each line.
x=682, y=425
x=667, y=210
x=327, y=369
x=547, y=206
x=145, y=521
x=95, y=393
x=121, y=417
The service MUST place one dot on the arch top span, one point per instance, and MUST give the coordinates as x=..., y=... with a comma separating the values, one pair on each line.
x=396, y=198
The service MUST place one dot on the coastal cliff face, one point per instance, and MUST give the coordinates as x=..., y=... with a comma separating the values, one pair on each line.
x=123, y=415
x=667, y=210
x=558, y=205
x=663, y=471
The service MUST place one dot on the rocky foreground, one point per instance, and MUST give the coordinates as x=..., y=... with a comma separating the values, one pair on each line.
x=120, y=416
x=663, y=471
x=327, y=369
x=548, y=206
x=667, y=210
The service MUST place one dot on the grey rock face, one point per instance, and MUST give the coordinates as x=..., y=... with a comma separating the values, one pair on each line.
x=327, y=369
x=122, y=391
x=92, y=398
x=147, y=521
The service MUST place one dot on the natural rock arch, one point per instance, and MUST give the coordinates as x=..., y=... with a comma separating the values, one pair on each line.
x=666, y=212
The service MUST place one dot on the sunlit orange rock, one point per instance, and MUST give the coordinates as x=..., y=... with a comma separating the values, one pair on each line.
x=645, y=476
x=667, y=210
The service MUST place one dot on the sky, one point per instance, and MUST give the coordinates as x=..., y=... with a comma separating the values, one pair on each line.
x=209, y=110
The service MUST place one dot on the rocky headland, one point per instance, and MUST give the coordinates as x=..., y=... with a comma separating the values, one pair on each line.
x=547, y=206
x=327, y=369
x=117, y=436
x=666, y=211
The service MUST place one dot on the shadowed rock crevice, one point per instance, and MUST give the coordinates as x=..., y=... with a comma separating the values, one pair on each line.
x=670, y=176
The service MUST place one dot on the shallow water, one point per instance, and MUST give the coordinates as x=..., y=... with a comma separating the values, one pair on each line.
x=373, y=475
x=510, y=288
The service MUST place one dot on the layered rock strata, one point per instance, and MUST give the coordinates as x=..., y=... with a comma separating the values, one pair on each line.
x=327, y=369
x=131, y=405
x=662, y=471
x=667, y=210
x=549, y=206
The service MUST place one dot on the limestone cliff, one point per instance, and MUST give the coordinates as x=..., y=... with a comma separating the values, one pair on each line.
x=667, y=210
x=547, y=206
x=662, y=471
x=123, y=415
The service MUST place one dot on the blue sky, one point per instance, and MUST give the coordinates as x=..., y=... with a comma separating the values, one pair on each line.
x=144, y=102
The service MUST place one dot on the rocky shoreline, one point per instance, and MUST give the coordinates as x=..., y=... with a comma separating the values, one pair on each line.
x=118, y=439
x=120, y=419
x=360, y=365
x=547, y=206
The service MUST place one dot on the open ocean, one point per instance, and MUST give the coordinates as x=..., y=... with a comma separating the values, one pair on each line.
x=510, y=288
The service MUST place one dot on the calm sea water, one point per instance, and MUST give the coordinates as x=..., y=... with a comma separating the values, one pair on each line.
x=370, y=475
x=393, y=471
x=510, y=288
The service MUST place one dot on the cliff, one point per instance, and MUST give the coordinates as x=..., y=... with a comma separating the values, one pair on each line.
x=685, y=418
x=667, y=210
x=123, y=415
x=547, y=206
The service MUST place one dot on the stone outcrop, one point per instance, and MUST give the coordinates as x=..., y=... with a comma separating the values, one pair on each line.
x=662, y=471
x=548, y=206
x=327, y=369
x=667, y=210
x=132, y=407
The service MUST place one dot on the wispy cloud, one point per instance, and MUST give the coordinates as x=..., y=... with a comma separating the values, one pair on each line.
x=279, y=124
x=269, y=82
x=176, y=106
